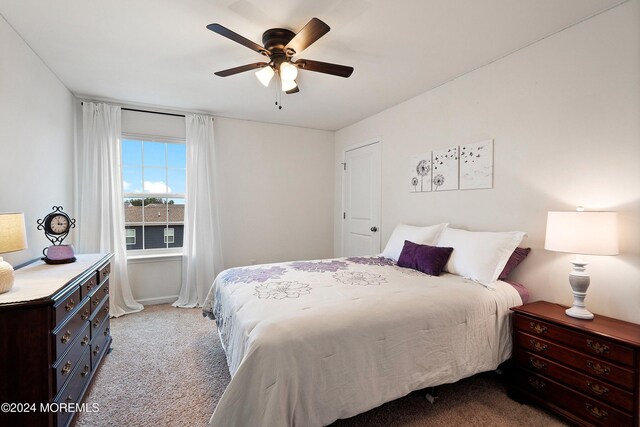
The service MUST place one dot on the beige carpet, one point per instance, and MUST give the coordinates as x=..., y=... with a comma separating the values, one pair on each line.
x=167, y=369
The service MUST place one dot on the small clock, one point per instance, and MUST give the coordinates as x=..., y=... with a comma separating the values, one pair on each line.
x=56, y=226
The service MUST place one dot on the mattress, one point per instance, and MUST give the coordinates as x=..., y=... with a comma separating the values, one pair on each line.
x=310, y=342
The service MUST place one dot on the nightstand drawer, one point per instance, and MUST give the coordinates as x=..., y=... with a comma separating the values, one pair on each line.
x=98, y=296
x=64, y=335
x=98, y=317
x=99, y=343
x=599, y=347
x=574, y=403
x=589, y=386
x=591, y=366
x=104, y=272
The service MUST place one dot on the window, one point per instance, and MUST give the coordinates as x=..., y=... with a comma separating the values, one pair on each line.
x=169, y=235
x=154, y=186
x=131, y=236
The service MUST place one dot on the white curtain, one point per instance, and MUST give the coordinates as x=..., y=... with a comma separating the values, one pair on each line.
x=202, y=255
x=101, y=209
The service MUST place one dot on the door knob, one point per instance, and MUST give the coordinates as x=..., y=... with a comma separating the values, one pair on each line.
x=374, y=229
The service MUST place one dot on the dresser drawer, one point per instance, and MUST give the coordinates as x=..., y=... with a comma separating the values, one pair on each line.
x=599, y=347
x=98, y=296
x=99, y=343
x=64, y=335
x=574, y=403
x=64, y=307
x=88, y=285
x=74, y=388
x=65, y=365
x=98, y=317
x=591, y=366
x=104, y=272
x=589, y=386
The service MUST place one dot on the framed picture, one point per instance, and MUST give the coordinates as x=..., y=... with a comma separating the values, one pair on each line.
x=476, y=165
x=420, y=173
x=445, y=169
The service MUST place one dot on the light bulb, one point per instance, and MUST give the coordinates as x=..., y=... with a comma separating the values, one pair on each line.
x=288, y=85
x=265, y=74
x=288, y=72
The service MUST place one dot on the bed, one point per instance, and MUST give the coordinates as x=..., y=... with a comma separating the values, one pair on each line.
x=310, y=342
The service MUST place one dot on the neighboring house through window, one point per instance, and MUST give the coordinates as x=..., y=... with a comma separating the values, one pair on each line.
x=154, y=185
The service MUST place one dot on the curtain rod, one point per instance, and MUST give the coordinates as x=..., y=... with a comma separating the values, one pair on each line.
x=150, y=112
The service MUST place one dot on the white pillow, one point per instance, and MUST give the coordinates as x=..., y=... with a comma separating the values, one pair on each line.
x=478, y=255
x=420, y=235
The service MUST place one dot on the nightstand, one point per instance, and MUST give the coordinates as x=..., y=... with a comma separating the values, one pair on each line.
x=587, y=371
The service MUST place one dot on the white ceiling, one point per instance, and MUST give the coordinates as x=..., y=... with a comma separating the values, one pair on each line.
x=158, y=52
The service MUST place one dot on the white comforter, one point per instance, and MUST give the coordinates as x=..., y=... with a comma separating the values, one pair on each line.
x=313, y=341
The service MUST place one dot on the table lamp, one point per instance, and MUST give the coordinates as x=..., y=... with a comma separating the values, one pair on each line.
x=581, y=233
x=12, y=238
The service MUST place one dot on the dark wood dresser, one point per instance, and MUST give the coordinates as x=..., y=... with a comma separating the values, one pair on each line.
x=587, y=371
x=51, y=347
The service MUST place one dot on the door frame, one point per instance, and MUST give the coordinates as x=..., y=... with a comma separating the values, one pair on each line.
x=351, y=147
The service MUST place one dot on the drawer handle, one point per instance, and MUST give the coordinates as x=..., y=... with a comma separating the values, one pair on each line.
x=106, y=331
x=85, y=314
x=537, y=345
x=538, y=328
x=538, y=364
x=95, y=301
x=597, y=347
x=69, y=399
x=96, y=323
x=85, y=371
x=66, y=368
x=106, y=309
x=96, y=350
x=105, y=289
x=600, y=414
x=598, y=389
x=537, y=384
x=66, y=337
x=85, y=340
x=90, y=285
x=598, y=368
x=70, y=305
x=105, y=272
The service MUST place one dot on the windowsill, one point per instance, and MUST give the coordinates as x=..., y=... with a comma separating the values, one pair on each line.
x=153, y=256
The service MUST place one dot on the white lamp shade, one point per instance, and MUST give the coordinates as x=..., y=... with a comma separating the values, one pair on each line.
x=288, y=72
x=587, y=233
x=12, y=232
x=288, y=85
x=265, y=74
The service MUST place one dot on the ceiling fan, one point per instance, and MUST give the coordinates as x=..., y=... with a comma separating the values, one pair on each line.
x=280, y=45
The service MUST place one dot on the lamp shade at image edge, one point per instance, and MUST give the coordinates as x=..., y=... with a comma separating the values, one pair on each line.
x=585, y=233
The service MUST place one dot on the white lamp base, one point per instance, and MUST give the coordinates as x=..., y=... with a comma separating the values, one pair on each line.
x=6, y=276
x=579, y=280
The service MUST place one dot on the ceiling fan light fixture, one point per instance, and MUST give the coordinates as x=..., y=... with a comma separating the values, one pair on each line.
x=288, y=85
x=265, y=74
x=288, y=72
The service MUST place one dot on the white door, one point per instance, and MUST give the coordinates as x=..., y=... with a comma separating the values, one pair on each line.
x=361, y=216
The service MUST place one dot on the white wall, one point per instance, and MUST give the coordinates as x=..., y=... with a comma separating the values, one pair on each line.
x=565, y=117
x=275, y=186
x=36, y=140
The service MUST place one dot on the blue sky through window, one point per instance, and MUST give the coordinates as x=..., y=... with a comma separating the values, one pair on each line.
x=163, y=166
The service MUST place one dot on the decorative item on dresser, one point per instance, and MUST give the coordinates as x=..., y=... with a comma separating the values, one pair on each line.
x=12, y=238
x=54, y=329
x=587, y=371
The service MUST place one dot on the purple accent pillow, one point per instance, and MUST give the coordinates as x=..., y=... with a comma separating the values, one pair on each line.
x=518, y=255
x=428, y=259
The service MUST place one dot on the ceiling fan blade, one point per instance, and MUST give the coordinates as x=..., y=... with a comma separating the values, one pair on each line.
x=241, y=69
x=294, y=90
x=225, y=32
x=307, y=36
x=324, y=67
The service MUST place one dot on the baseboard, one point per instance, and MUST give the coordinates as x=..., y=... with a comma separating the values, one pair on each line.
x=159, y=300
